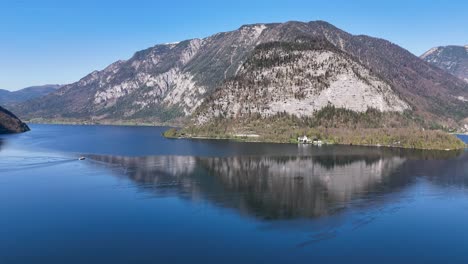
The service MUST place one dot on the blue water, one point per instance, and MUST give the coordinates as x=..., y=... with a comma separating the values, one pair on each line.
x=463, y=137
x=141, y=198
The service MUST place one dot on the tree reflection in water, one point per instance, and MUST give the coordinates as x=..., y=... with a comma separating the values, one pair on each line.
x=293, y=186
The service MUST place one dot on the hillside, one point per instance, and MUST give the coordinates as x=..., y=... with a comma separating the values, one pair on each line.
x=8, y=97
x=299, y=78
x=9, y=123
x=167, y=83
x=453, y=59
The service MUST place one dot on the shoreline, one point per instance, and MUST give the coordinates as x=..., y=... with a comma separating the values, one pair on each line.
x=240, y=137
x=407, y=138
x=109, y=123
x=246, y=140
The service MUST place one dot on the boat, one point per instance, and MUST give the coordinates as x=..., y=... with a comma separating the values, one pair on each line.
x=81, y=158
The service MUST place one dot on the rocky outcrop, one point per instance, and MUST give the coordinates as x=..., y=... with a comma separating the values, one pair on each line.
x=9, y=123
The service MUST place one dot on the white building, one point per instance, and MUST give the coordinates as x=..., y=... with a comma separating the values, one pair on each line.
x=304, y=140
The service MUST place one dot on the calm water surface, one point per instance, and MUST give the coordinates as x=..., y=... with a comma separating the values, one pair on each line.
x=140, y=198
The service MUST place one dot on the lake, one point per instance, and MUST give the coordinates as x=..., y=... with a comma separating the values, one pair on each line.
x=141, y=198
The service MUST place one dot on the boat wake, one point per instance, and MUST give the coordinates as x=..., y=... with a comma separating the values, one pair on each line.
x=15, y=163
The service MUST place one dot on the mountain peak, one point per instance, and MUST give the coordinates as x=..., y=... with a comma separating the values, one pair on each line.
x=430, y=52
x=322, y=23
x=451, y=58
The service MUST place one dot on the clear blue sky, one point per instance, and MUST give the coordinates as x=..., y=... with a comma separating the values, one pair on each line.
x=61, y=41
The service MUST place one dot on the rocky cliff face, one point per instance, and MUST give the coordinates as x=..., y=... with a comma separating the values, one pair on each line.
x=299, y=78
x=171, y=81
x=9, y=123
x=453, y=59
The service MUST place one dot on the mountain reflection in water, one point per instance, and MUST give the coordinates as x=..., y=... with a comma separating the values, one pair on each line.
x=291, y=187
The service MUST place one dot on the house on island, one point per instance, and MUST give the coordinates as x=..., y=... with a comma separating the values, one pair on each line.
x=305, y=140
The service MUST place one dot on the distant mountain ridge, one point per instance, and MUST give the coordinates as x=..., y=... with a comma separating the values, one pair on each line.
x=453, y=59
x=13, y=97
x=171, y=82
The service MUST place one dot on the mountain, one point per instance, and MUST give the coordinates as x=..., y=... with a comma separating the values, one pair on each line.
x=9, y=123
x=292, y=67
x=298, y=78
x=7, y=97
x=453, y=59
